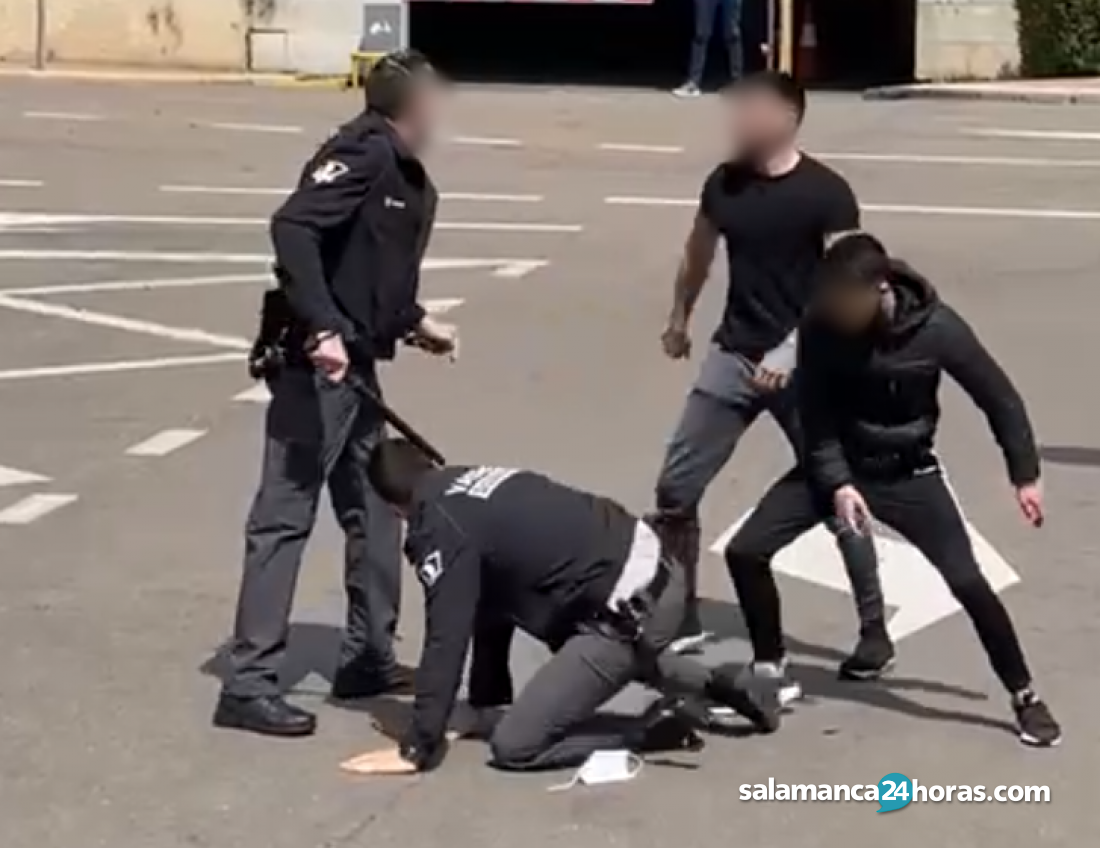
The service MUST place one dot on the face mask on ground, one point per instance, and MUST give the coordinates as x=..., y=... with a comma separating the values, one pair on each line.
x=605, y=767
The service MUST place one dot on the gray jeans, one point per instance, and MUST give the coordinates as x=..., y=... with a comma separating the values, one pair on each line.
x=554, y=723
x=316, y=431
x=721, y=407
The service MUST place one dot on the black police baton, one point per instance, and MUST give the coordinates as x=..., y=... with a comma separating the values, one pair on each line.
x=391, y=417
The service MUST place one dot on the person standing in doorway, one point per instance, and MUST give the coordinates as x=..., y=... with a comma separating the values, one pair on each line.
x=774, y=207
x=727, y=15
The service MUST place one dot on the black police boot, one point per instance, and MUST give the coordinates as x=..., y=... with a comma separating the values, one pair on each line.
x=761, y=708
x=666, y=727
x=872, y=657
x=269, y=715
x=352, y=683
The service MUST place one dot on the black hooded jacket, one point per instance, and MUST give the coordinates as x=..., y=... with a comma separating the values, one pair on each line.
x=869, y=402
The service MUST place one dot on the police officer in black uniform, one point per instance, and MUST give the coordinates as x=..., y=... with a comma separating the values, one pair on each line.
x=348, y=245
x=500, y=548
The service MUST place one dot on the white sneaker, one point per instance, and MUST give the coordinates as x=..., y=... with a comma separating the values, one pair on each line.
x=758, y=675
x=687, y=90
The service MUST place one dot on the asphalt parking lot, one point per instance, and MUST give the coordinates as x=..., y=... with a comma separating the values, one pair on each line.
x=132, y=253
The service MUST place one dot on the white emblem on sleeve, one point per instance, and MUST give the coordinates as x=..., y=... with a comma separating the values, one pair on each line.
x=431, y=569
x=481, y=482
x=329, y=172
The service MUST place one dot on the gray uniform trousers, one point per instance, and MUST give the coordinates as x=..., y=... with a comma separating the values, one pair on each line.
x=316, y=431
x=722, y=405
x=554, y=723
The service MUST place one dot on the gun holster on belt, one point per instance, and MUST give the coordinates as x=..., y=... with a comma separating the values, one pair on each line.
x=269, y=351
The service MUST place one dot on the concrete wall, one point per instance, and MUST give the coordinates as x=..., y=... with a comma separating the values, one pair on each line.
x=966, y=39
x=208, y=34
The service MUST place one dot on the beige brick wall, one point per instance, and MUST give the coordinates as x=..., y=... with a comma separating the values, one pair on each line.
x=208, y=34
x=966, y=39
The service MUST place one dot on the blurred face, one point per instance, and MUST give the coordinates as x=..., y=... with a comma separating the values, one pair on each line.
x=850, y=308
x=761, y=123
x=426, y=111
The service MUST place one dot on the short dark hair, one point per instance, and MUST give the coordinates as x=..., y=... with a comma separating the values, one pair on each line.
x=395, y=468
x=778, y=84
x=392, y=80
x=854, y=259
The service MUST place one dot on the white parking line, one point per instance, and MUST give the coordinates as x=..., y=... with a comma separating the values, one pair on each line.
x=118, y=322
x=228, y=190
x=20, y=222
x=259, y=393
x=258, y=191
x=279, y=129
x=986, y=212
x=119, y=367
x=991, y=161
x=165, y=442
x=477, y=197
x=482, y=141
x=623, y=147
x=34, y=507
x=18, y=477
x=62, y=116
x=140, y=285
x=900, y=209
x=169, y=256
x=1037, y=135
x=6, y=183
x=632, y=200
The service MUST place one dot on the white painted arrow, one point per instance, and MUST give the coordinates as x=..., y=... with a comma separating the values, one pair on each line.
x=910, y=583
x=15, y=477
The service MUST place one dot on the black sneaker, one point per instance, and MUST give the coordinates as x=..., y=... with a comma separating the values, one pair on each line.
x=761, y=707
x=1036, y=724
x=873, y=657
x=667, y=726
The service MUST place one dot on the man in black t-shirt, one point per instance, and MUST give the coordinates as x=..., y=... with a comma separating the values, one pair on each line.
x=775, y=208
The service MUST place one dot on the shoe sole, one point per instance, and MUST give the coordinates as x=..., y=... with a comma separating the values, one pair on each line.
x=689, y=644
x=869, y=674
x=1035, y=742
x=234, y=724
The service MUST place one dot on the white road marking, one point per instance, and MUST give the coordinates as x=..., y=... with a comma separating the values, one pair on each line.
x=482, y=141
x=519, y=268
x=1038, y=135
x=6, y=183
x=279, y=129
x=910, y=583
x=986, y=212
x=649, y=201
x=168, y=256
x=28, y=222
x=621, y=147
x=453, y=196
x=165, y=442
x=118, y=322
x=205, y=189
x=478, y=197
x=508, y=227
x=16, y=477
x=34, y=507
x=992, y=161
x=899, y=209
x=122, y=366
x=140, y=285
x=259, y=393
x=63, y=116
x=441, y=306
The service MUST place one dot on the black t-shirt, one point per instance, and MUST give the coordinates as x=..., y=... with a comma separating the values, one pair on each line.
x=775, y=230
